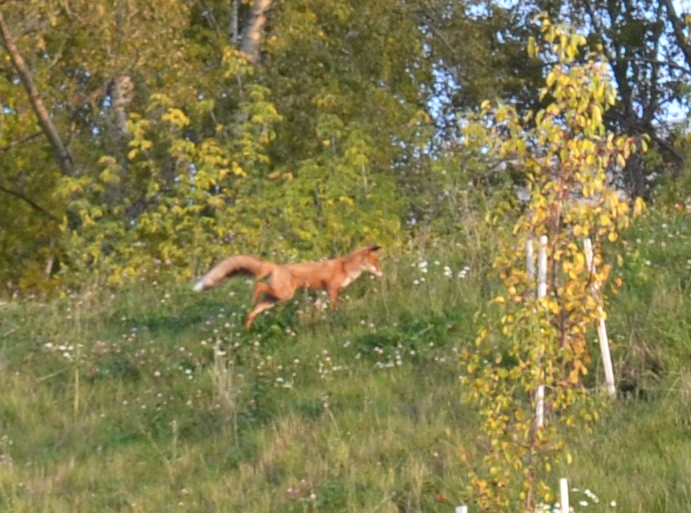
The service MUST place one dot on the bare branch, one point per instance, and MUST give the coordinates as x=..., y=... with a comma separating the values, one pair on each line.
x=656, y=62
x=20, y=141
x=599, y=30
x=59, y=149
x=211, y=20
x=31, y=203
x=678, y=26
x=428, y=23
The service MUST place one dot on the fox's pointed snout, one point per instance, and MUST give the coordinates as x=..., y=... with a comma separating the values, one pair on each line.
x=373, y=269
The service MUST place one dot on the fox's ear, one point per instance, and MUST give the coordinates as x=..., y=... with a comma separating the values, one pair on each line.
x=375, y=247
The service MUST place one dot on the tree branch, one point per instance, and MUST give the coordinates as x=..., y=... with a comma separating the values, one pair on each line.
x=59, y=149
x=428, y=23
x=678, y=27
x=20, y=141
x=32, y=203
x=657, y=62
x=599, y=30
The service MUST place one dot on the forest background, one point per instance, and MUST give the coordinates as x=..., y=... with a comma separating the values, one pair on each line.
x=138, y=135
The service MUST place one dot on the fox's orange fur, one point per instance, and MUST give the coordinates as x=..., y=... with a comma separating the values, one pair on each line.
x=284, y=279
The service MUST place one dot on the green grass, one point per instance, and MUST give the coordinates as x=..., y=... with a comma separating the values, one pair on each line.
x=153, y=398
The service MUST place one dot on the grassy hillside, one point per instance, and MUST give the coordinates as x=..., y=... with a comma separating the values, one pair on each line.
x=154, y=398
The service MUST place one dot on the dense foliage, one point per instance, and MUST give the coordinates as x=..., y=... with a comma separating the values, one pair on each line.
x=134, y=134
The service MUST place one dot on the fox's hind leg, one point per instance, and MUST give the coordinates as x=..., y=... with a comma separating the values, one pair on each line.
x=259, y=308
x=259, y=289
x=271, y=298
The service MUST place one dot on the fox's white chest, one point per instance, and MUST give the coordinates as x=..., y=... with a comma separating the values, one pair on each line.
x=351, y=277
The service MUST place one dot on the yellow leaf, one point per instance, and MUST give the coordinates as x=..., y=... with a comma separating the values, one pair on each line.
x=532, y=47
x=553, y=307
x=597, y=116
x=237, y=170
x=638, y=206
x=612, y=236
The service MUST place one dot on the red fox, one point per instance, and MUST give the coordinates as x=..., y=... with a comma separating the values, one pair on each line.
x=284, y=279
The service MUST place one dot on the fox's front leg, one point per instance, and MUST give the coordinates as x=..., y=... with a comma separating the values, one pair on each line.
x=333, y=295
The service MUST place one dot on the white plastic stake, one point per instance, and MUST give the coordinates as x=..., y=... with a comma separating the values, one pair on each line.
x=542, y=267
x=564, y=492
x=540, y=406
x=541, y=292
x=530, y=259
x=462, y=509
x=601, y=329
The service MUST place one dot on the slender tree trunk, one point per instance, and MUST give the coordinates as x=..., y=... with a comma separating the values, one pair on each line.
x=234, y=24
x=50, y=261
x=252, y=37
x=61, y=152
x=122, y=94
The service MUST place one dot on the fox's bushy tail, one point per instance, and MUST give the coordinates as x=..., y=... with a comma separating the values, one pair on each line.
x=239, y=264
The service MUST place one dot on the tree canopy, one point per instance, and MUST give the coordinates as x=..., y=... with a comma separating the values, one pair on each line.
x=136, y=134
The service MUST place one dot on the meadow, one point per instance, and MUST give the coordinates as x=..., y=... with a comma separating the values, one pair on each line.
x=153, y=398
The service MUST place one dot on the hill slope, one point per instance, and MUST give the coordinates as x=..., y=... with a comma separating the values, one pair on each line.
x=154, y=399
